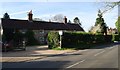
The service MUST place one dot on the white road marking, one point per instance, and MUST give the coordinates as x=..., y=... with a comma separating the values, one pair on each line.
x=99, y=53
x=75, y=64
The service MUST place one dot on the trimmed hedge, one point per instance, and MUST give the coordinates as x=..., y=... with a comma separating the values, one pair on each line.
x=83, y=40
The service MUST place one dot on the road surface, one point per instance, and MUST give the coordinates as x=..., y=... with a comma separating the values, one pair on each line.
x=102, y=57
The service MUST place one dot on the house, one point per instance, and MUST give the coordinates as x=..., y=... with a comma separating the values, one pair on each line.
x=112, y=31
x=40, y=28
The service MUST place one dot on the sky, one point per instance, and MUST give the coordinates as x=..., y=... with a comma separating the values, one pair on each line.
x=85, y=11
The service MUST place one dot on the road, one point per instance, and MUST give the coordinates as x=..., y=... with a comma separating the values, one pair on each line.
x=102, y=57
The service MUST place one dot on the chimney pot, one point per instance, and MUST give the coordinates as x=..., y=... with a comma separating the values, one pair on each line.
x=30, y=16
x=65, y=19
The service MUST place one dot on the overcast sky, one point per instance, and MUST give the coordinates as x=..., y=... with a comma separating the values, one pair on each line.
x=85, y=11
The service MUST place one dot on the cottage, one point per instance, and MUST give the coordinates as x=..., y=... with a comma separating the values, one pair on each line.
x=41, y=28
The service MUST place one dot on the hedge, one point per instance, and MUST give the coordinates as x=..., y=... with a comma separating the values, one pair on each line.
x=116, y=37
x=83, y=40
x=79, y=39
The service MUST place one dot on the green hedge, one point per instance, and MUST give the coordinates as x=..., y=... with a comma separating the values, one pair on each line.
x=116, y=37
x=83, y=40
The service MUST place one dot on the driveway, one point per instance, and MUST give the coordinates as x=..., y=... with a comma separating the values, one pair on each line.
x=31, y=53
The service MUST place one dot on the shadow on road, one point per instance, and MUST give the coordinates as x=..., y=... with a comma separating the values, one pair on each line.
x=35, y=64
x=106, y=45
x=45, y=65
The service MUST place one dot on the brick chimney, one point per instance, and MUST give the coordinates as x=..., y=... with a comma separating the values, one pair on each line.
x=30, y=16
x=65, y=19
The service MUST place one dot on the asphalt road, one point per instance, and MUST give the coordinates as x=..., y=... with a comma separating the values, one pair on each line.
x=102, y=57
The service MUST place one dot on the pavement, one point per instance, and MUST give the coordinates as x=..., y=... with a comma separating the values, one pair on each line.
x=31, y=53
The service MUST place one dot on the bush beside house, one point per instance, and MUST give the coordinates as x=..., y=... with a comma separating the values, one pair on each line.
x=29, y=35
x=53, y=39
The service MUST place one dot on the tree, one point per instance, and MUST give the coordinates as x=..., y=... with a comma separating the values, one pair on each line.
x=99, y=20
x=69, y=21
x=104, y=28
x=58, y=18
x=6, y=16
x=37, y=19
x=77, y=20
x=53, y=39
x=118, y=24
x=7, y=32
x=29, y=35
x=100, y=25
x=109, y=6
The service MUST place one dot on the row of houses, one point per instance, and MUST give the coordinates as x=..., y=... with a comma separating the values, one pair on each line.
x=40, y=28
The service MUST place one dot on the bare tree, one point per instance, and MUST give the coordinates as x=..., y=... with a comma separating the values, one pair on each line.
x=58, y=18
x=110, y=5
x=37, y=19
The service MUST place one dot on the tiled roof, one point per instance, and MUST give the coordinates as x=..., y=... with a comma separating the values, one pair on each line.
x=39, y=25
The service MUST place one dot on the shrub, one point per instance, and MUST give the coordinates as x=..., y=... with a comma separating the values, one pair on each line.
x=29, y=35
x=115, y=37
x=53, y=39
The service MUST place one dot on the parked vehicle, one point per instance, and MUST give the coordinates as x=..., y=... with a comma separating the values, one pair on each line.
x=13, y=45
x=7, y=46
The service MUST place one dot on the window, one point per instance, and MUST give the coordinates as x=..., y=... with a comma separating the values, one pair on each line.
x=41, y=31
x=41, y=39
